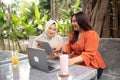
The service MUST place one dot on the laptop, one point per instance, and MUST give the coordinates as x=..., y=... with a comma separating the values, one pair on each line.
x=37, y=59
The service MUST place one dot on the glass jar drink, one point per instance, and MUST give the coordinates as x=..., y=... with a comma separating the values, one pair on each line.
x=15, y=59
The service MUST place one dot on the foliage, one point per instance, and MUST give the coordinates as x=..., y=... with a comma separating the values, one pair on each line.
x=2, y=21
x=28, y=19
x=64, y=29
x=44, y=6
x=64, y=23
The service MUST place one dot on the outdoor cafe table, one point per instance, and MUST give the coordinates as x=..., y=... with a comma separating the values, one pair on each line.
x=23, y=71
x=6, y=56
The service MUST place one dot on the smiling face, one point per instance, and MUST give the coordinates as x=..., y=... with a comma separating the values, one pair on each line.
x=51, y=30
x=75, y=25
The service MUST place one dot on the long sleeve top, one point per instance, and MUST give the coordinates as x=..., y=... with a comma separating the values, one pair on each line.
x=54, y=41
x=87, y=47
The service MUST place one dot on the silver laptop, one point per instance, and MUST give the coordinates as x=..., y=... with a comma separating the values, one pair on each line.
x=37, y=59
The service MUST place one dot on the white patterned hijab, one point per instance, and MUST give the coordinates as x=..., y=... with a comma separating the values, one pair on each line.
x=48, y=24
x=55, y=40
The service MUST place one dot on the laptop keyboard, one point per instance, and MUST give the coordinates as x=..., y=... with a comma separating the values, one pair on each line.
x=53, y=66
x=50, y=67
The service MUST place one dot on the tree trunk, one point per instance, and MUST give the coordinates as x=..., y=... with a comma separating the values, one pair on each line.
x=115, y=8
x=99, y=13
x=52, y=7
x=118, y=6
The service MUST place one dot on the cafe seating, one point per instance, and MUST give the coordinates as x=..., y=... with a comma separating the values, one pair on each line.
x=110, y=51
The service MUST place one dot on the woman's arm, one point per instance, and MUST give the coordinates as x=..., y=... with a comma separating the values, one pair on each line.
x=66, y=48
x=75, y=60
x=91, y=46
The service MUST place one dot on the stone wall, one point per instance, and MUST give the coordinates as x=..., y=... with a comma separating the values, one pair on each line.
x=110, y=51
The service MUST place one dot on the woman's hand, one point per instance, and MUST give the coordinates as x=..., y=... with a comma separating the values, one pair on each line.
x=40, y=46
x=63, y=50
x=75, y=60
x=54, y=55
x=71, y=62
x=56, y=48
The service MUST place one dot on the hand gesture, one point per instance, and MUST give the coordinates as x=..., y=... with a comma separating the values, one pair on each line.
x=40, y=46
x=56, y=48
x=54, y=55
x=71, y=62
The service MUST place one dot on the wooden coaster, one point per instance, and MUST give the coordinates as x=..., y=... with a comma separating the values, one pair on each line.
x=63, y=75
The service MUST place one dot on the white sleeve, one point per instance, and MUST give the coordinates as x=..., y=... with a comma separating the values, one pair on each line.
x=34, y=44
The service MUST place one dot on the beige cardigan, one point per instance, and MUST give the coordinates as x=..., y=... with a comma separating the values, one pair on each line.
x=55, y=41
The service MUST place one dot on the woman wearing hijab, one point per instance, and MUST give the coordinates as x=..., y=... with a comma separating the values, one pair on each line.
x=50, y=35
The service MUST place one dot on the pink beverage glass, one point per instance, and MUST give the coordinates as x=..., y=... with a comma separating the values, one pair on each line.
x=64, y=64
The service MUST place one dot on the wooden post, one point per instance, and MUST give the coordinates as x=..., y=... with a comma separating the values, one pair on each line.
x=52, y=7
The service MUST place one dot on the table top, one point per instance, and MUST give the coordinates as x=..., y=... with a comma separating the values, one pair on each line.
x=23, y=71
x=6, y=57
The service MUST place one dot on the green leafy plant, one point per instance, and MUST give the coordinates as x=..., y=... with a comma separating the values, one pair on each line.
x=2, y=22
